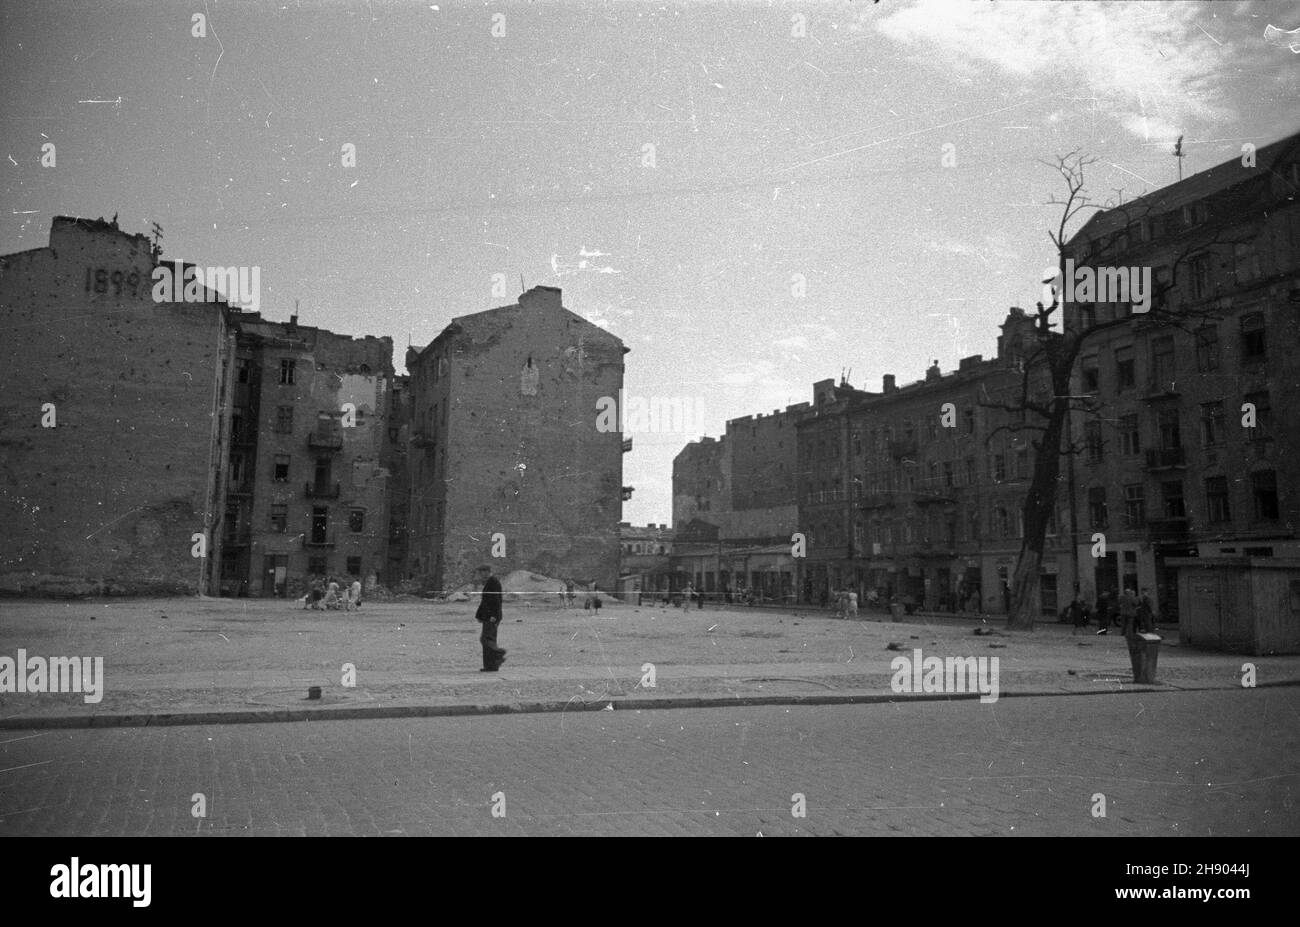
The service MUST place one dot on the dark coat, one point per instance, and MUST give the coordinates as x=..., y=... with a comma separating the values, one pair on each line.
x=489, y=606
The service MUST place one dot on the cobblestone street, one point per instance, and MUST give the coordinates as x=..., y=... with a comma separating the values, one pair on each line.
x=1197, y=763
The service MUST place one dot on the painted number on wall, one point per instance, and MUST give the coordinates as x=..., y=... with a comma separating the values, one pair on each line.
x=98, y=280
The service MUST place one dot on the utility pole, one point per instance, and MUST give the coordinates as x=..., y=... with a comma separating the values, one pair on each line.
x=1178, y=153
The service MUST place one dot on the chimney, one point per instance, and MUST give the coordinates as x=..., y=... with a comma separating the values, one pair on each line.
x=890, y=383
x=932, y=372
x=541, y=297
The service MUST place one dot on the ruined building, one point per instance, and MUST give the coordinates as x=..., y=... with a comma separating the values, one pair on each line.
x=111, y=419
x=511, y=463
x=308, y=474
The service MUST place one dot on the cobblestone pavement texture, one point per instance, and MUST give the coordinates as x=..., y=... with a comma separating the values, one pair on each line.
x=1167, y=763
x=195, y=655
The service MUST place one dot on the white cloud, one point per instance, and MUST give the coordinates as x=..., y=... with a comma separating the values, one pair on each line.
x=1137, y=59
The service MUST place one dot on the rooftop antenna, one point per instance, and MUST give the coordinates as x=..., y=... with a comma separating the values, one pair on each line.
x=1178, y=153
x=522, y=288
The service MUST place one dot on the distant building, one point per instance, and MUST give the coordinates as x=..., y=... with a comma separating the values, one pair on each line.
x=511, y=462
x=938, y=484
x=112, y=417
x=1173, y=468
x=645, y=563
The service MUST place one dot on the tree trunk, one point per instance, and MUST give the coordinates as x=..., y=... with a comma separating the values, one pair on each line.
x=1039, y=504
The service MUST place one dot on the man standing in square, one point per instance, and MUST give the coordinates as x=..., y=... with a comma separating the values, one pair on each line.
x=489, y=615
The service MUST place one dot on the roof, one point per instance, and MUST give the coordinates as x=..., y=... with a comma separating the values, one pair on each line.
x=1189, y=190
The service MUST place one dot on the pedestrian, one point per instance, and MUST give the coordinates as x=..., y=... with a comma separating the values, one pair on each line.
x=569, y=595
x=356, y=593
x=331, y=594
x=699, y=600
x=1078, y=613
x=1128, y=613
x=1146, y=612
x=1104, y=612
x=489, y=615
x=853, y=605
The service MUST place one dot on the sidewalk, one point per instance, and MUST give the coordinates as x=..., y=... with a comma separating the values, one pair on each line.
x=182, y=661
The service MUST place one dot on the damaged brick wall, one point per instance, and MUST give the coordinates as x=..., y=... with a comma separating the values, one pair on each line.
x=107, y=499
x=519, y=458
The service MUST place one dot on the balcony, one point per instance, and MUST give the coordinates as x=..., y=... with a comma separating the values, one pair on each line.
x=325, y=441
x=315, y=539
x=1166, y=458
x=902, y=447
x=322, y=490
x=1167, y=529
x=1161, y=389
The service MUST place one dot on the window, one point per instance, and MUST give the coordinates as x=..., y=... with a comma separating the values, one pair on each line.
x=1134, y=506
x=354, y=567
x=1199, y=271
x=947, y=474
x=1001, y=523
x=356, y=521
x=973, y=521
x=1092, y=440
x=971, y=478
x=1171, y=494
x=236, y=471
x=279, y=518
x=1212, y=430
x=1263, y=427
x=1091, y=375
x=1245, y=263
x=1022, y=465
x=1130, y=436
x=1264, y=485
x=286, y=371
x=284, y=419
x=1162, y=361
x=1170, y=436
x=1125, y=376
x=241, y=370
x=1207, y=348
x=968, y=414
x=1097, y=514
x=317, y=566
x=1216, y=499
x=999, y=467
x=281, y=472
x=1253, y=342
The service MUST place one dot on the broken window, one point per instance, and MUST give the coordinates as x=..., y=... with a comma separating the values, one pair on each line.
x=356, y=520
x=281, y=472
x=279, y=518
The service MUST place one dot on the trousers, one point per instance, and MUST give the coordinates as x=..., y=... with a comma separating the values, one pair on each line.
x=491, y=652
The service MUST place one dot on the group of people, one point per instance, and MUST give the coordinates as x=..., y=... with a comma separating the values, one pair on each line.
x=846, y=603
x=1134, y=613
x=326, y=593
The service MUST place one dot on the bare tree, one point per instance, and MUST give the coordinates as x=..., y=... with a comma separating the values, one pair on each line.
x=1043, y=402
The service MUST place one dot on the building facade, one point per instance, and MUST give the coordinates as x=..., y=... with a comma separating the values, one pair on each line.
x=516, y=453
x=1191, y=449
x=112, y=417
x=308, y=478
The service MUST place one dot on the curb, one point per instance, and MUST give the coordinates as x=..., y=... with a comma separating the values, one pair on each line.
x=385, y=712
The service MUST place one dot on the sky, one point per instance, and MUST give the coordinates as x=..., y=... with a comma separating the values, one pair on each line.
x=753, y=196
